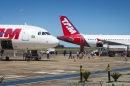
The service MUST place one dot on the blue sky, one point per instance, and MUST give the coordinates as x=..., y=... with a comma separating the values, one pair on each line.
x=88, y=16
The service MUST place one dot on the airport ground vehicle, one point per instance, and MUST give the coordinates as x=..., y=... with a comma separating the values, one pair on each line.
x=32, y=55
x=112, y=50
x=116, y=50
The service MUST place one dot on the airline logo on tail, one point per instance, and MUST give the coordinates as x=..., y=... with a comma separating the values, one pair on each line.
x=68, y=26
x=71, y=34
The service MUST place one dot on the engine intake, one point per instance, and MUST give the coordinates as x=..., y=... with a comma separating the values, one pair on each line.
x=99, y=45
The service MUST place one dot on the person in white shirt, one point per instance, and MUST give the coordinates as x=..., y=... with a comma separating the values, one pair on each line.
x=47, y=54
x=92, y=54
x=77, y=55
x=14, y=53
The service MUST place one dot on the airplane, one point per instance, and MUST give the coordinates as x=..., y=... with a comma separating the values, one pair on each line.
x=72, y=35
x=25, y=37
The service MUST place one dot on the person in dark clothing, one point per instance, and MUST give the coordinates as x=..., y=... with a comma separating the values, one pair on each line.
x=56, y=53
x=64, y=53
x=70, y=55
x=2, y=51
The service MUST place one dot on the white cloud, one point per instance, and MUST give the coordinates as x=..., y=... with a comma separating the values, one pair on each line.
x=21, y=10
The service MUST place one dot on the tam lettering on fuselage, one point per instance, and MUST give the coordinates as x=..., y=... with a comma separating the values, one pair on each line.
x=69, y=26
x=10, y=33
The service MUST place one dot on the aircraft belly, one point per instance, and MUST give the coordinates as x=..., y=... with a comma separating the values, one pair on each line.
x=31, y=46
x=28, y=46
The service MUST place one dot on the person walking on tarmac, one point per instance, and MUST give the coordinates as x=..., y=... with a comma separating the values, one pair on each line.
x=125, y=55
x=2, y=52
x=64, y=53
x=47, y=54
x=82, y=55
x=14, y=53
x=92, y=54
x=70, y=55
x=77, y=55
x=56, y=53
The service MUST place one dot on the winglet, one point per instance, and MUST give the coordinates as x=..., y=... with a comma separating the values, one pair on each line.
x=98, y=40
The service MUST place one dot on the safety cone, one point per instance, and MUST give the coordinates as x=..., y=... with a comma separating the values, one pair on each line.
x=74, y=59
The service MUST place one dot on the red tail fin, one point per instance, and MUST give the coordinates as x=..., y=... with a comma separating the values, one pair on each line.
x=67, y=26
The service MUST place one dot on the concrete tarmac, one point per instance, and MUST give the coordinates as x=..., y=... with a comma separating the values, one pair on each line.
x=18, y=69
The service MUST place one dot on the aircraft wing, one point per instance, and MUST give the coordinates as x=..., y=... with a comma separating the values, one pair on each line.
x=109, y=42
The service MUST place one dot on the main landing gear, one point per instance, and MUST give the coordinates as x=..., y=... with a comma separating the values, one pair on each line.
x=31, y=55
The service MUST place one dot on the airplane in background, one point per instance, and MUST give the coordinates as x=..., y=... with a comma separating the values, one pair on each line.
x=72, y=35
x=25, y=37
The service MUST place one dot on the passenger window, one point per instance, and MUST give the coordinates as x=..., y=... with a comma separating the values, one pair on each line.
x=43, y=33
x=39, y=33
x=47, y=33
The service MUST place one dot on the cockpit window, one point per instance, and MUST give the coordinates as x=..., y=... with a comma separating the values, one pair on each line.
x=47, y=33
x=43, y=33
x=39, y=33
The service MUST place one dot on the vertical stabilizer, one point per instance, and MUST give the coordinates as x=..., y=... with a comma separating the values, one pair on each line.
x=67, y=27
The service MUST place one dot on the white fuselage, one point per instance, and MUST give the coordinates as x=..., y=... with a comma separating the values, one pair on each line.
x=26, y=38
x=92, y=39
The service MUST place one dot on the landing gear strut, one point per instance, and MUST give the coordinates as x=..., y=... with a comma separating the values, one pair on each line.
x=81, y=48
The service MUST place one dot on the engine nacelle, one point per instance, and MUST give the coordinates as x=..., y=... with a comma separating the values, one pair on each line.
x=99, y=45
x=128, y=47
x=105, y=46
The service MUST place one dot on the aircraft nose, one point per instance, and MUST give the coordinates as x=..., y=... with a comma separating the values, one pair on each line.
x=54, y=41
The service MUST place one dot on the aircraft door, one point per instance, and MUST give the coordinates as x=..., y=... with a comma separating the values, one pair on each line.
x=25, y=36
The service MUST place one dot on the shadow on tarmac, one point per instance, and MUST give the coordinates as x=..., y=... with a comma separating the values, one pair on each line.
x=28, y=60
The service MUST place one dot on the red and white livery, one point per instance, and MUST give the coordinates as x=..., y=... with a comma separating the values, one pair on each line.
x=72, y=35
x=25, y=37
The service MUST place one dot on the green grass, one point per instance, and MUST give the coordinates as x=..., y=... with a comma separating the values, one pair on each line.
x=73, y=48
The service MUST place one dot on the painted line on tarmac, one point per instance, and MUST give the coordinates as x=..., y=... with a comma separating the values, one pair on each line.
x=42, y=79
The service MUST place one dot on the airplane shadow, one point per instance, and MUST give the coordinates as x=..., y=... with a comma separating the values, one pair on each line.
x=46, y=60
